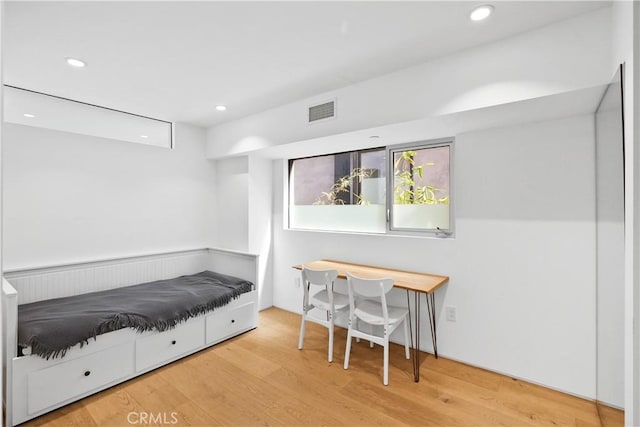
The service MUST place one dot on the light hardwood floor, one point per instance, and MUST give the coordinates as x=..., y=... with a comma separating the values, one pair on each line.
x=261, y=378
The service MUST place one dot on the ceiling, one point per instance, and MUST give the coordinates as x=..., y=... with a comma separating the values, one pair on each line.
x=177, y=60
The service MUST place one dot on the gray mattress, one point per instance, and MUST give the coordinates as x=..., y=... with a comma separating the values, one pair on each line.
x=51, y=327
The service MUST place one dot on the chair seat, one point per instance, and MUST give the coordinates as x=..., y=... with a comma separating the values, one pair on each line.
x=371, y=312
x=321, y=300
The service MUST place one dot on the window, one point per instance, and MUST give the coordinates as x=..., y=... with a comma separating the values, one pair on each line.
x=402, y=189
x=339, y=192
x=421, y=186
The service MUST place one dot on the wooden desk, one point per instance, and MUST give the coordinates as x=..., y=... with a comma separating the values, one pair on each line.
x=419, y=283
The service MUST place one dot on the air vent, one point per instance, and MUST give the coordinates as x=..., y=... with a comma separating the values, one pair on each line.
x=322, y=111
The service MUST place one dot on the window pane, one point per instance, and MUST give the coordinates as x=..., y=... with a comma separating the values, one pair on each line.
x=421, y=186
x=339, y=192
x=374, y=187
x=311, y=176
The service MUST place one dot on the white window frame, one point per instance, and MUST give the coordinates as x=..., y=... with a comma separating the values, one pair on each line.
x=434, y=143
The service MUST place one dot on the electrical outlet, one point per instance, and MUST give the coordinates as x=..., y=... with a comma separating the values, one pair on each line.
x=296, y=282
x=450, y=313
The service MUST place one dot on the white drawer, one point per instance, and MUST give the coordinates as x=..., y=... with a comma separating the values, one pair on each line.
x=161, y=347
x=229, y=321
x=65, y=380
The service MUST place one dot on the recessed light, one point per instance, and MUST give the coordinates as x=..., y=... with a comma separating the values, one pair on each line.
x=144, y=136
x=221, y=107
x=481, y=12
x=30, y=116
x=74, y=62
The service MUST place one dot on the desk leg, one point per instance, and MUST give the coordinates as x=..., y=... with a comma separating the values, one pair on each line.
x=416, y=347
x=431, y=307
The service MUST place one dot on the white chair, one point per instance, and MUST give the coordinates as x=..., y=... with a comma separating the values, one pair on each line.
x=363, y=309
x=324, y=299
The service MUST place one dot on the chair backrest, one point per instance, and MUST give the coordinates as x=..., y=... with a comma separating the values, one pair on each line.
x=369, y=288
x=318, y=277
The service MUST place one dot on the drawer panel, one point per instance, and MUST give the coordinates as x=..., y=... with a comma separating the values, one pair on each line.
x=65, y=380
x=229, y=321
x=162, y=346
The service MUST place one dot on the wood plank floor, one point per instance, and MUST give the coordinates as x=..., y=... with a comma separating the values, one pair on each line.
x=261, y=378
x=610, y=417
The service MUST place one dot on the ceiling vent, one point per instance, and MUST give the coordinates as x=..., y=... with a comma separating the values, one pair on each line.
x=323, y=111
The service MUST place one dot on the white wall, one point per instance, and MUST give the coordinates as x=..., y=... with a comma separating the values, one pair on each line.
x=632, y=416
x=260, y=224
x=232, y=188
x=522, y=265
x=565, y=56
x=70, y=197
x=1, y=143
x=625, y=31
x=632, y=330
x=243, y=190
x=610, y=249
